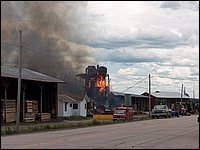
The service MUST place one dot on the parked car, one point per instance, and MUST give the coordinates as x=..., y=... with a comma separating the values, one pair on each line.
x=161, y=111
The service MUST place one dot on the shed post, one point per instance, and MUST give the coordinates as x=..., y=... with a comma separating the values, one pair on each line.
x=5, y=83
x=23, y=100
x=41, y=89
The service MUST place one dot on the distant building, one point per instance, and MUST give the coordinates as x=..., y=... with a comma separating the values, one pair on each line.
x=168, y=98
x=138, y=102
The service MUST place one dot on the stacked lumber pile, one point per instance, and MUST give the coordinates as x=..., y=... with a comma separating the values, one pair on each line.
x=45, y=117
x=31, y=110
x=8, y=110
x=29, y=117
x=29, y=106
x=35, y=106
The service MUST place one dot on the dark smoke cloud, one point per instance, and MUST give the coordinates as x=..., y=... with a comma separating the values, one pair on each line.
x=53, y=37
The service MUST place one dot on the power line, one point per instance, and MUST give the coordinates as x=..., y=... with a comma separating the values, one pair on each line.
x=134, y=84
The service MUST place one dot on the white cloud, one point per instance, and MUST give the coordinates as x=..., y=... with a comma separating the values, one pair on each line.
x=134, y=39
x=128, y=71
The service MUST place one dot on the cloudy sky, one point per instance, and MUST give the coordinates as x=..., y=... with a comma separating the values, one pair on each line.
x=135, y=39
x=132, y=39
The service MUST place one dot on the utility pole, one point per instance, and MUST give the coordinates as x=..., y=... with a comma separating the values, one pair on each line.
x=182, y=94
x=19, y=83
x=193, y=94
x=149, y=95
x=191, y=104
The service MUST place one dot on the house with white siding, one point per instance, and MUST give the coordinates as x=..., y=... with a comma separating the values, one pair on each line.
x=72, y=104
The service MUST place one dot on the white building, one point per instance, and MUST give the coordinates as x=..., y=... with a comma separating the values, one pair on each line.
x=68, y=106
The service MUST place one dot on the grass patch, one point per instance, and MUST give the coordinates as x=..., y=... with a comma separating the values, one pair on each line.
x=75, y=118
x=8, y=131
x=48, y=127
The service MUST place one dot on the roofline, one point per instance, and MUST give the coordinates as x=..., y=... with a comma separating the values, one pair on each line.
x=26, y=77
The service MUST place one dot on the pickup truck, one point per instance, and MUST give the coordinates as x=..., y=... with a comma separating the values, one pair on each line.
x=161, y=111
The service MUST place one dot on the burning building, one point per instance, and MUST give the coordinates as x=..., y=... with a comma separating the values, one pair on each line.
x=96, y=84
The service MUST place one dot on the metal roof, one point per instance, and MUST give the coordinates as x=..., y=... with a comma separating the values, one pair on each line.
x=164, y=94
x=27, y=74
x=65, y=98
x=72, y=97
x=132, y=95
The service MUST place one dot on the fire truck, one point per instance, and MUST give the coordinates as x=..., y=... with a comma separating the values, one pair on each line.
x=123, y=113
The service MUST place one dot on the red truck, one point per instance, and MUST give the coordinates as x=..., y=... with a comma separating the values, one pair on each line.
x=181, y=109
x=123, y=113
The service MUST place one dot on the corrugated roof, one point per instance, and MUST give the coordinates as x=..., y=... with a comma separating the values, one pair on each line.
x=27, y=74
x=78, y=96
x=132, y=95
x=70, y=97
x=65, y=98
x=165, y=94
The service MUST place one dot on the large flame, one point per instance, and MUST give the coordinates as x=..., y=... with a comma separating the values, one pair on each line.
x=101, y=83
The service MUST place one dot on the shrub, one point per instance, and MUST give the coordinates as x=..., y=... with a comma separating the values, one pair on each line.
x=46, y=127
x=75, y=118
x=3, y=132
x=9, y=131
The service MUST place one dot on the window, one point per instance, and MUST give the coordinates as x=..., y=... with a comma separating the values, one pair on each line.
x=66, y=106
x=75, y=106
x=70, y=104
x=85, y=106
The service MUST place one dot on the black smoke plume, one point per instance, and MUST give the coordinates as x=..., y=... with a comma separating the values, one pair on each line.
x=53, y=38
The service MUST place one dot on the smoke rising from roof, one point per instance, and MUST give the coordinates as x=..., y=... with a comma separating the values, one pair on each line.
x=53, y=37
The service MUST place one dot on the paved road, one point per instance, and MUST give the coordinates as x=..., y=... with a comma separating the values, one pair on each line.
x=171, y=133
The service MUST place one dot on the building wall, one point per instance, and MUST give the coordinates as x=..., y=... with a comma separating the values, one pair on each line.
x=153, y=100
x=76, y=112
x=83, y=108
x=68, y=113
x=60, y=108
x=140, y=104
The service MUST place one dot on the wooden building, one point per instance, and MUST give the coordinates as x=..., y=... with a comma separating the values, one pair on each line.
x=167, y=98
x=39, y=97
x=138, y=102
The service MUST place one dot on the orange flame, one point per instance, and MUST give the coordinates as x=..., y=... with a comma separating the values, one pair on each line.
x=101, y=83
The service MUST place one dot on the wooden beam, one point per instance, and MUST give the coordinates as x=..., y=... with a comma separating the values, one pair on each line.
x=41, y=90
x=23, y=100
x=5, y=84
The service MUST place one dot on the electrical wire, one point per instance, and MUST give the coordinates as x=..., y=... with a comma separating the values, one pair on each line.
x=134, y=84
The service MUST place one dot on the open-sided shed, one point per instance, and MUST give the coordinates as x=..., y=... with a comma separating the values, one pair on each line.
x=39, y=95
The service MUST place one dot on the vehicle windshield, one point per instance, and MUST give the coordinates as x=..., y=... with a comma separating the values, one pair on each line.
x=160, y=107
x=120, y=111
